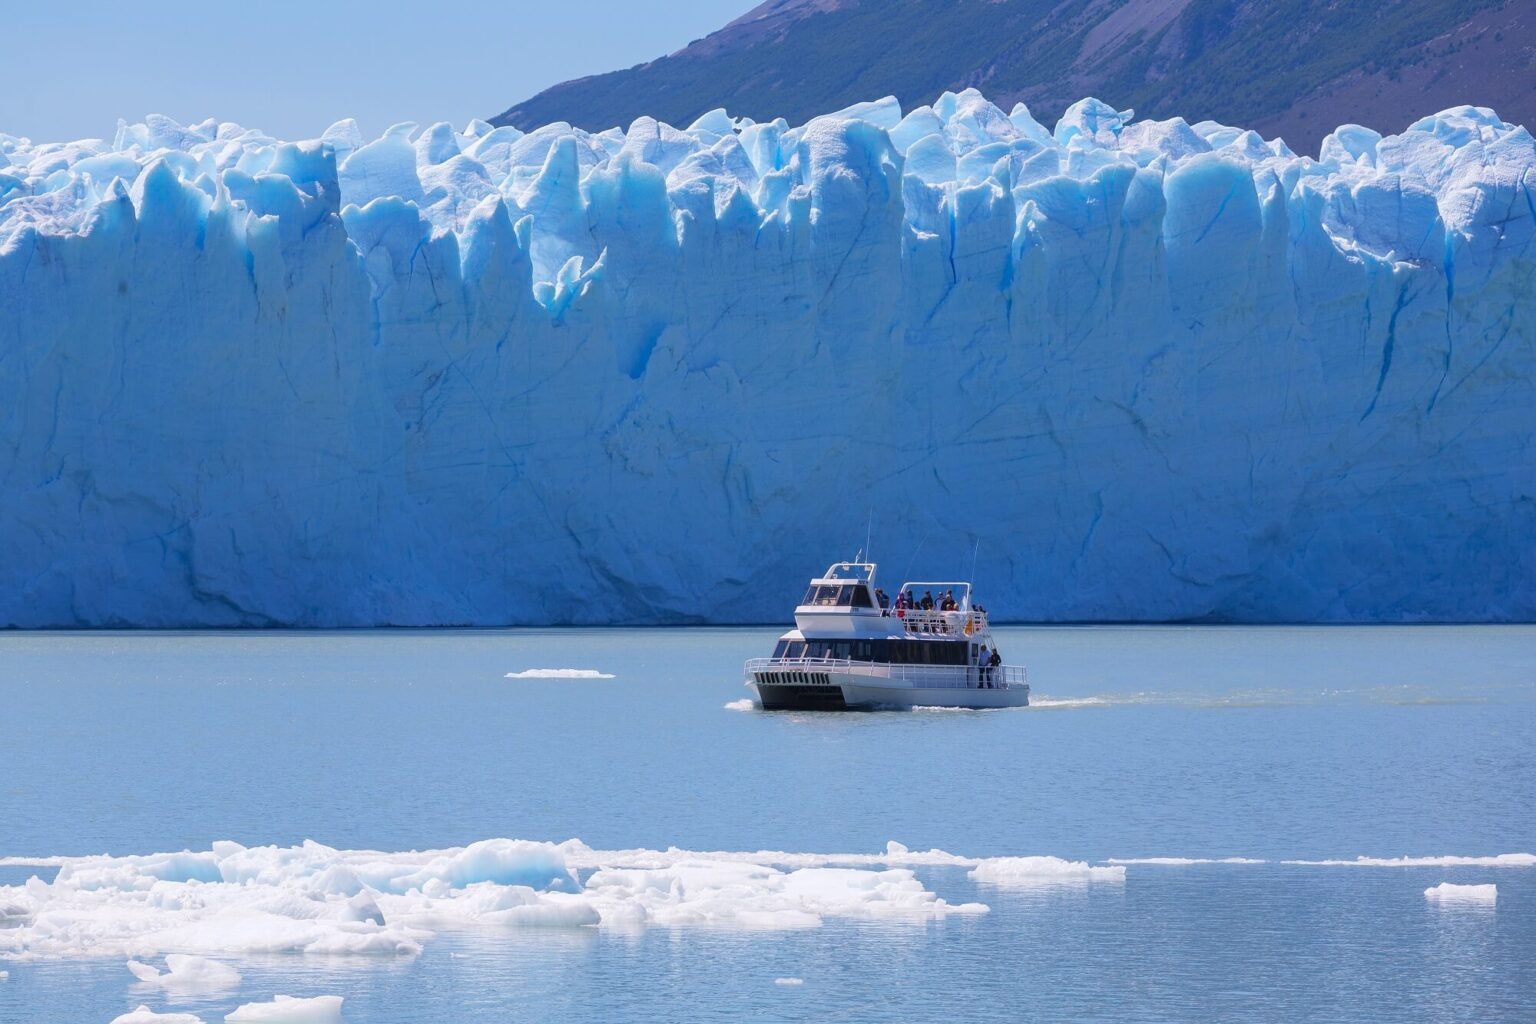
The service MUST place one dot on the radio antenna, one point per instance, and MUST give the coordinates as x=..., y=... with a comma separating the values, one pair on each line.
x=974, y=552
x=869, y=527
x=908, y=573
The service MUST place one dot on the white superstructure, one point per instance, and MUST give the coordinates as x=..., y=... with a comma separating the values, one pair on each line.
x=852, y=647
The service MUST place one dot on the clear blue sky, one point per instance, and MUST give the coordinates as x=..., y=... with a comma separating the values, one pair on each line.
x=291, y=67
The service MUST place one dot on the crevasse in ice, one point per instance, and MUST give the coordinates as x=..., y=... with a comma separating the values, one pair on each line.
x=1159, y=370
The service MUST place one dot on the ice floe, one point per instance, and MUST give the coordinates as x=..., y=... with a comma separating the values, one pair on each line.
x=1183, y=861
x=144, y=1015
x=232, y=900
x=560, y=673
x=312, y=898
x=1034, y=872
x=1503, y=860
x=289, y=1010
x=186, y=973
x=1450, y=892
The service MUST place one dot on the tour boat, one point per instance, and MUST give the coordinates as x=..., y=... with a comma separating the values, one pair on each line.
x=852, y=647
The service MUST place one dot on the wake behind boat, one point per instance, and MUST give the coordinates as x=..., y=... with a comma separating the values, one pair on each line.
x=853, y=648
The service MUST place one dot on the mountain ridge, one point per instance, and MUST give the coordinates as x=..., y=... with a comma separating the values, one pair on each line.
x=1293, y=68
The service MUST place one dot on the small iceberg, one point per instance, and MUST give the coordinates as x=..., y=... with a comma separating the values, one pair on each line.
x=289, y=1010
x=1449, y=892
x=186, y=973
x=560, y=673
x=1036, y=872
x=144, y=1015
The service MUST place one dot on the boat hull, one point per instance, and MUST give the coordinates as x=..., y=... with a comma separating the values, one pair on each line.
x=840, y=692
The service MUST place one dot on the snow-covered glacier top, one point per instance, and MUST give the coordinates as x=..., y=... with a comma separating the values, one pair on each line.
x=565, y=180
x=1163, y=370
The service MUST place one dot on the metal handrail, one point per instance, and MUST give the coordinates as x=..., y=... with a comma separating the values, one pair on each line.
x=920, y=621
x=936, y=676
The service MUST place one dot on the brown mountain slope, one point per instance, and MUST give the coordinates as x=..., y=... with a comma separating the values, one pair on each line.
x=1295, y=68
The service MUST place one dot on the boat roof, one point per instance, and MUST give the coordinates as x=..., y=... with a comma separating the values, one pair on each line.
x=848, y=572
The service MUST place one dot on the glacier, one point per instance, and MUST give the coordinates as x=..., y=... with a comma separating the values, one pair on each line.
x=1152, y=370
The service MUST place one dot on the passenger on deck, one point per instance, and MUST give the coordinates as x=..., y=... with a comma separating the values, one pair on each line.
x=997, y=661
x=927, y=600
x=885, y=601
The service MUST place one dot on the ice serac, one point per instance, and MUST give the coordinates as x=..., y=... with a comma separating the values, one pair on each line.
x=1160, y=370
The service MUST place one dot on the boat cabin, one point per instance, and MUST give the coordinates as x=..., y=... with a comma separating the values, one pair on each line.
x=844, y=585
x=841, y=618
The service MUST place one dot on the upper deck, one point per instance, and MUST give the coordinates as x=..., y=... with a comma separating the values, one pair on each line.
x=844, y=602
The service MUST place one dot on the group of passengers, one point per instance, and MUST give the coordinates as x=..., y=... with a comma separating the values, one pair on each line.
x=987, y=662
x=907, y=601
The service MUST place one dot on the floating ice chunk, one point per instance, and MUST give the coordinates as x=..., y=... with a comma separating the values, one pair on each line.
x=1449, y=892
x=186, y=973
x=144, y=1015
x=560, y=673
x=289, y=1010
x=1503, y=860
x=312, y=898
x=510, y=862
x=755, y=896
x=789, y=981
x=1032, y=872
x=1182, y=861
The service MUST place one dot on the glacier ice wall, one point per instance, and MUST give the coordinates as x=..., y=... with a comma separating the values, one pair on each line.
x=1158, y=370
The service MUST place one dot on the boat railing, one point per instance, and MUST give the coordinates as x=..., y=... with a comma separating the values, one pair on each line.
x=959, y=677
x=920, y=622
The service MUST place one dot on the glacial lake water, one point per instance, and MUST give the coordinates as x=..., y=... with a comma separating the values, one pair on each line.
x=1270, y=744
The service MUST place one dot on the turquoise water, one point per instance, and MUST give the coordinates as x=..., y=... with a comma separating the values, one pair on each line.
x=1272, y=744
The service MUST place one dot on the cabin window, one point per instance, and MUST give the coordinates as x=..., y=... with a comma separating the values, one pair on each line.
x=795, y=649
x=827, y=596
x=845, y=596
x=810, y=595
x=920, y=652
x=840, y=649
x=780, y=648
x=861, y=597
